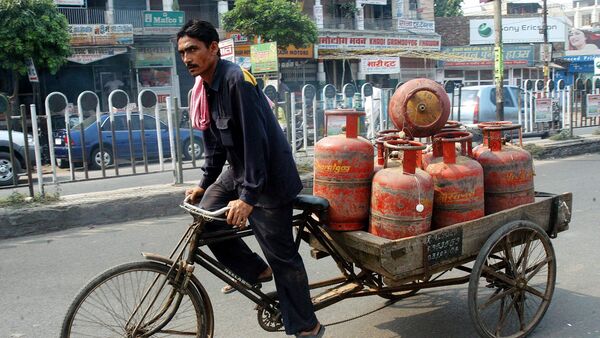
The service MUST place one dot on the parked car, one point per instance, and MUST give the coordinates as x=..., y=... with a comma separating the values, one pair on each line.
x=92, y=143
x=58, y=121
x=7, y=168
x=478, y=104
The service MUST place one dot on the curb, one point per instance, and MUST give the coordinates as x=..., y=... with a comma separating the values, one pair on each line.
x=92, y=209
x=559, y=149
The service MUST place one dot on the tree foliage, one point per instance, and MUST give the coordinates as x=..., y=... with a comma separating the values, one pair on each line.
x=32, y=29
x=272, y=20
x=448, y=8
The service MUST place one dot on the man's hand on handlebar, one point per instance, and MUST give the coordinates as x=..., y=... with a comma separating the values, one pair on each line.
x=195, y=194
x=239, y=212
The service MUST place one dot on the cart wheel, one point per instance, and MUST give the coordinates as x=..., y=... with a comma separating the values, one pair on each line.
x=512, y=281
x=405, y=294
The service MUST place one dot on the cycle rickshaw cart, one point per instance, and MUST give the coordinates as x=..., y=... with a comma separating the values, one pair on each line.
x=507, y=259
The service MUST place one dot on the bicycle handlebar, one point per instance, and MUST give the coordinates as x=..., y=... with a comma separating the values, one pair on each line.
x=204, y=213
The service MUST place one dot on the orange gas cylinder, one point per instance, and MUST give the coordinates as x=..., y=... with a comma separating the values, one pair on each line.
x=458, y=185
x=343, y=171
x=382, y=136
x=466, y=146
x=420, y=107
x=401, y=197
x=507, y=169
x=484, y=146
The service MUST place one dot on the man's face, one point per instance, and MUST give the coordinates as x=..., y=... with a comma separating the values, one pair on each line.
x=198, y=58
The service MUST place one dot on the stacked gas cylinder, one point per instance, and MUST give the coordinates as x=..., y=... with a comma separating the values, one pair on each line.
x=407, y=191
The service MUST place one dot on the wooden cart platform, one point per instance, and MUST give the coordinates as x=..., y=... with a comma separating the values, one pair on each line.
x=417, y=257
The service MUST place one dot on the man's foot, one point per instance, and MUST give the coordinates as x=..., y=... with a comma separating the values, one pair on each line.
x=317, y=332
x=265, y=276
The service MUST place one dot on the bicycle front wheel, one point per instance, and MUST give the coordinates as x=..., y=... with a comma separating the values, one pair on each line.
x=114, y=304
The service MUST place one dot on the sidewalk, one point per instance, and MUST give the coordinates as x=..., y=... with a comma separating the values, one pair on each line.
x=162, y=200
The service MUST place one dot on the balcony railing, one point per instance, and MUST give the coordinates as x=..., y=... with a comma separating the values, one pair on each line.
x=338, y=23
x=133, y=17
x=83, y=16
x=381, y=24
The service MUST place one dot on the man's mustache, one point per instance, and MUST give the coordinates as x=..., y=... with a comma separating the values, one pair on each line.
x=191, y=65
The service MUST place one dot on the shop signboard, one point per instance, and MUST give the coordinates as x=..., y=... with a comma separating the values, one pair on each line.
x=101, y=35
x=264, y=57
x=227, y=50
x=154, y=56
x=593, y=105
x=580, y=63
x=416, y=25
x=413, y=42
x=513, y=55
x=93, y=54
x=163, y=22
x=596, y=66
x=516, y=30
x=69, y=2
x=242, y=48
x=543, y=110
x=371, y=2
x=380, y=65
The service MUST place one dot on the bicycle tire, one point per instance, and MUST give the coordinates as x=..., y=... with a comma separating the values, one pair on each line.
x=103, y=307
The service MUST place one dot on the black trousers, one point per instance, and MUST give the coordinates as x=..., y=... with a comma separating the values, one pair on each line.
x=273, y=231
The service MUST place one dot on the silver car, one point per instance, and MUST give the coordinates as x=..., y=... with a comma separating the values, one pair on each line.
x=7, y=168
x=478, y=104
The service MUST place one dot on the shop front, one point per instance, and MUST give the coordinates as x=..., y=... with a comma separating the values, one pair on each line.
x=478, y=67
x=383, y=60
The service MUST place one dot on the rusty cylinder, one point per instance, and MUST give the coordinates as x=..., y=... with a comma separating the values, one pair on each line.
x=401, y=197
x=465, y=149
x=507, y=171
x=382, y=136
x=458, y=185
x=420, y=108
x=343, y=169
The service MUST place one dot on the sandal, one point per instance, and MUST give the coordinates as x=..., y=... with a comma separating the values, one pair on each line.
x=319, y=333
x=227, y=289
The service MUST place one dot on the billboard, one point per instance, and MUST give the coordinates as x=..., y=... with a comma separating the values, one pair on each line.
x=516, y=30
x=583, y=42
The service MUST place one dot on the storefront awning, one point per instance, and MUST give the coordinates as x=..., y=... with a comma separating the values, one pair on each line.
x=339, y=54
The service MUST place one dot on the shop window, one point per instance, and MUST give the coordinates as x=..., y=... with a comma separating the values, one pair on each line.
x=451, y=73
x=471, y=75
x=486, y=75
x=154, y=77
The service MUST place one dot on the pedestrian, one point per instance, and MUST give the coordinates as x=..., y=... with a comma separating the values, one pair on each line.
x=260, y=182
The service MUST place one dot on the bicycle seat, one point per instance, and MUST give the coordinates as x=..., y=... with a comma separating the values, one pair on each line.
x=311, y=203
x=317, y=205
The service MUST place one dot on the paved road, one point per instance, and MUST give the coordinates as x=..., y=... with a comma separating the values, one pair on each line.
x=39, y=275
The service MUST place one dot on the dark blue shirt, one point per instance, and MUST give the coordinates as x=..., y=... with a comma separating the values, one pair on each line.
x=244, y=131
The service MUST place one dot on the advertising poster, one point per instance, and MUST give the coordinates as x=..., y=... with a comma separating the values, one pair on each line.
x=264, y=57
x=543, y=110
x=582, y=42
x=593, y=105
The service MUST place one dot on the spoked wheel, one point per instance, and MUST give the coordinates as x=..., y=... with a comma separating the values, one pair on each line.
x=106, y=307
x=512, y=281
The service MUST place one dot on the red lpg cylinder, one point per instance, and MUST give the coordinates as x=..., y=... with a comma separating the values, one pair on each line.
x=401, y=197
x=458, y=185
x=382, y=136
x=507, y=169
x=466, y=146
x=343, y=171
x=484, y=144
x=420, y=107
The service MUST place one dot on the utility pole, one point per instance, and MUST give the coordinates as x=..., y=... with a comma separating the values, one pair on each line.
x=499, y=61
x=547, y=49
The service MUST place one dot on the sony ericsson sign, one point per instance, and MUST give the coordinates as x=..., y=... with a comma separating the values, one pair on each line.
x=516, y=30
